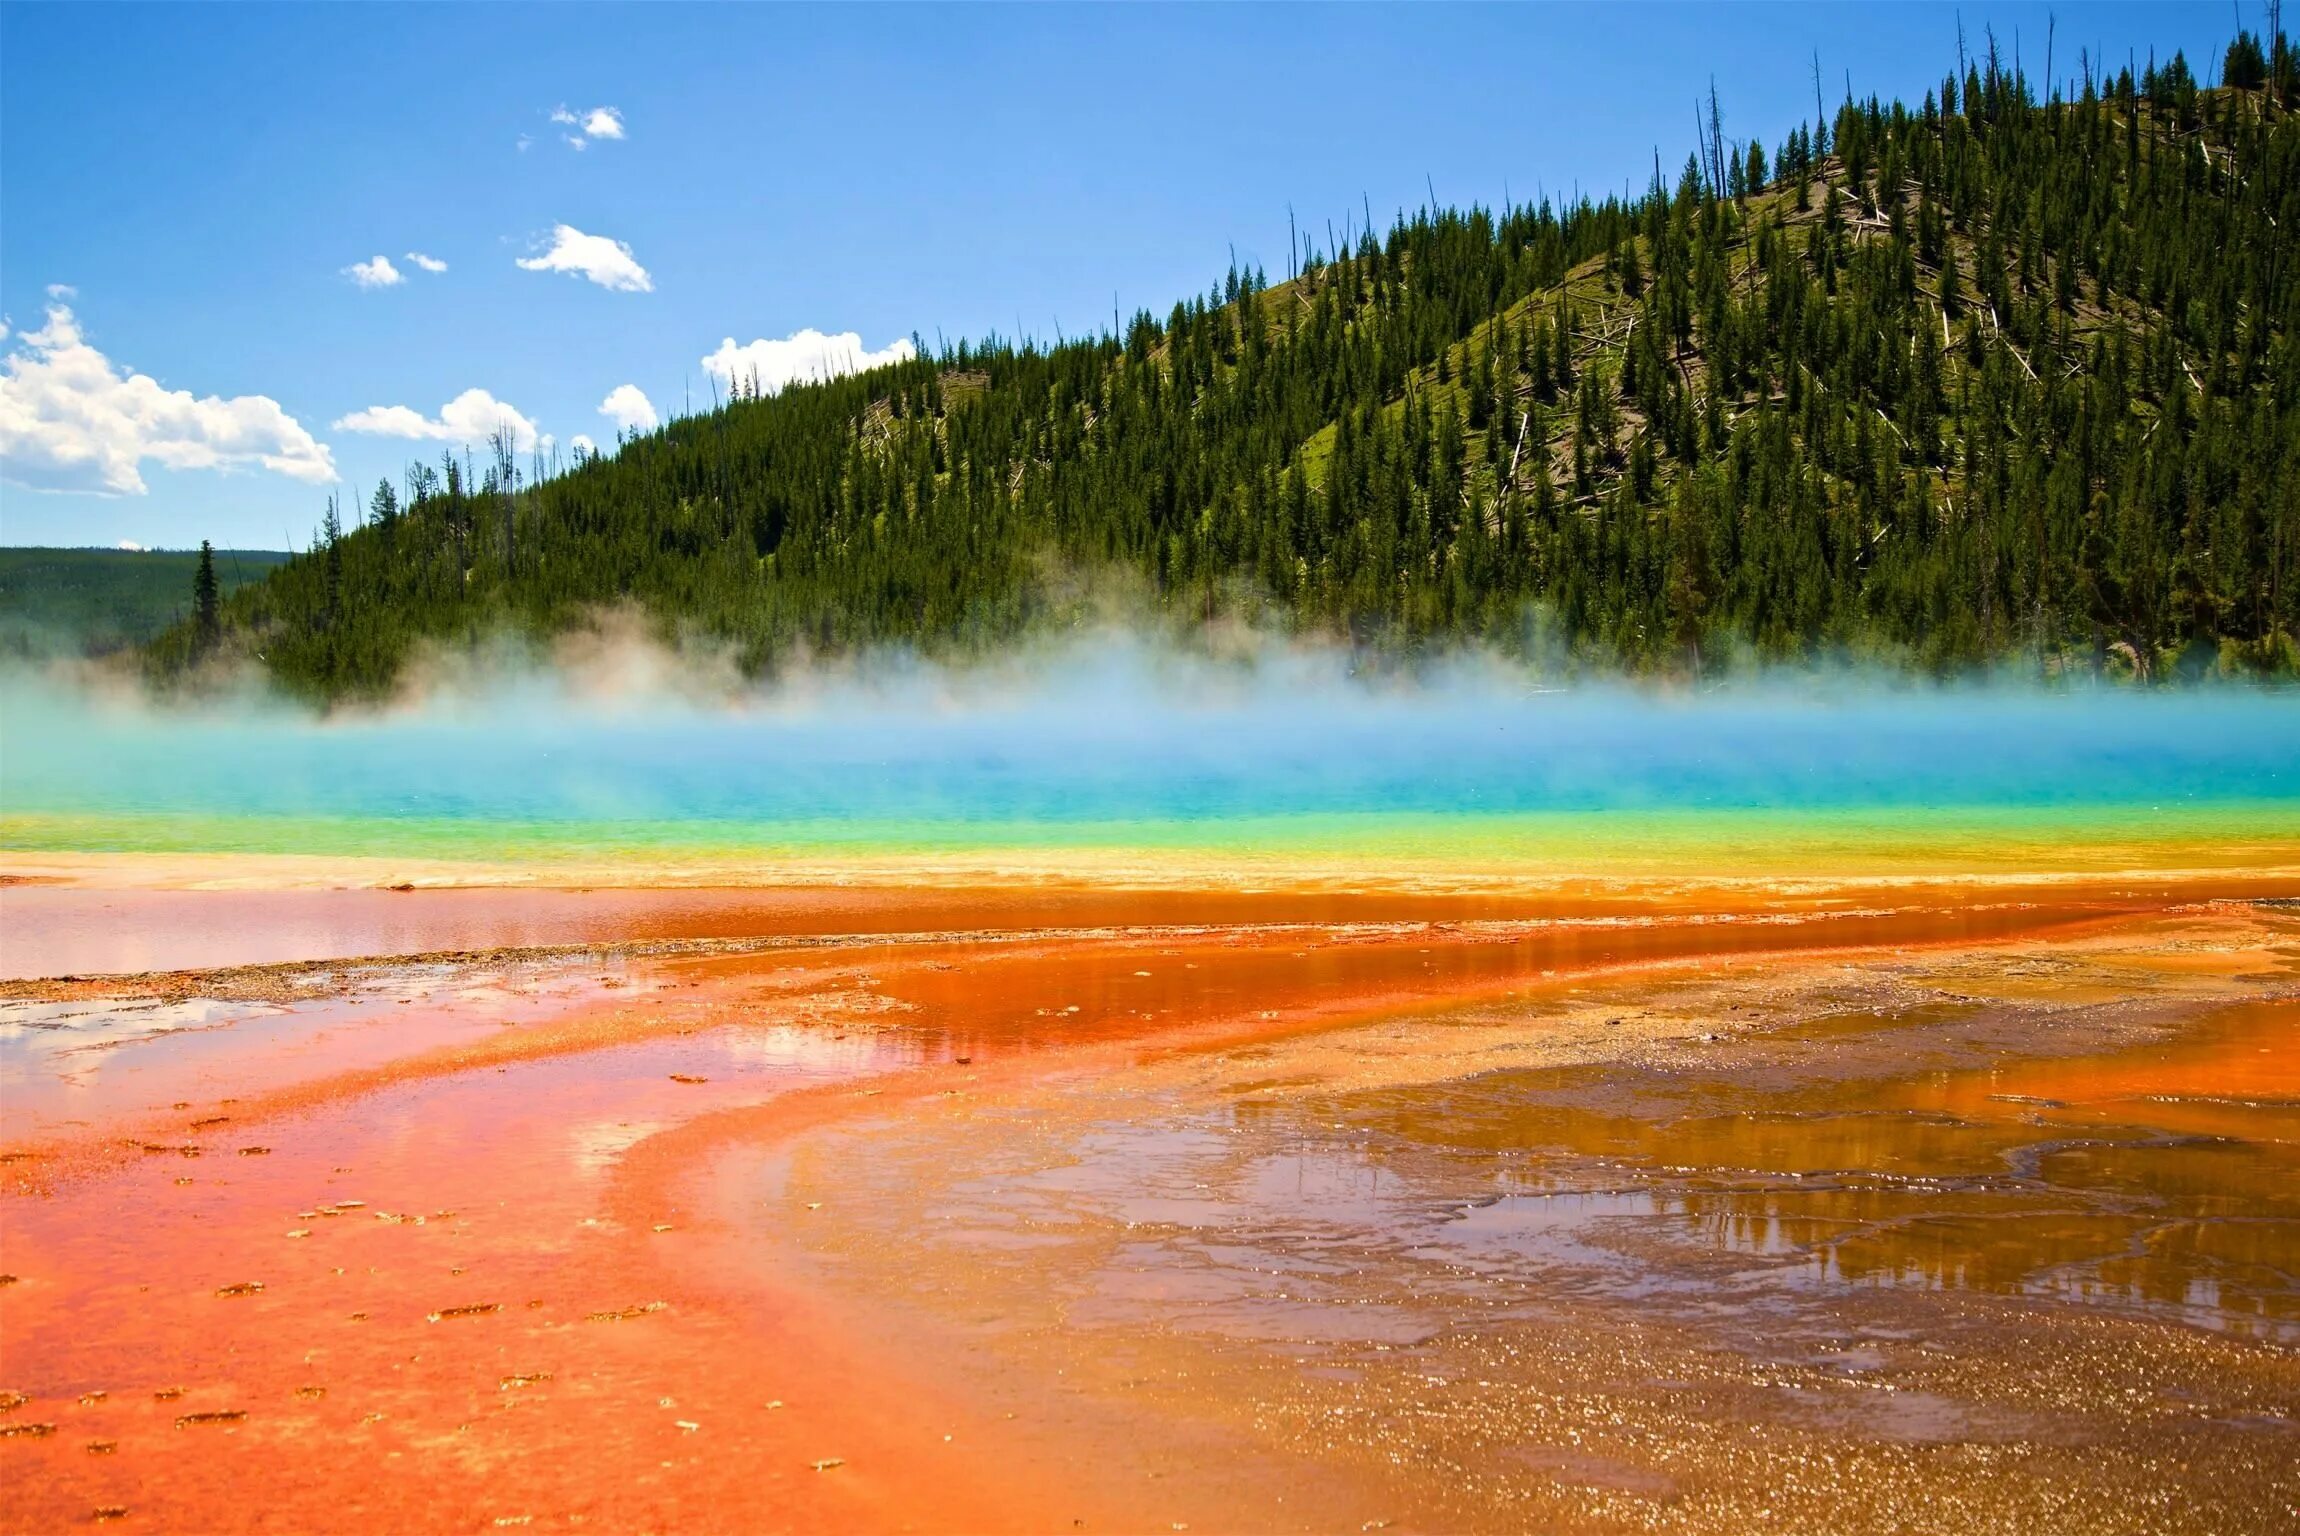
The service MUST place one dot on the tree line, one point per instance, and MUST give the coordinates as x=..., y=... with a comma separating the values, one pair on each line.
x=1986, y=381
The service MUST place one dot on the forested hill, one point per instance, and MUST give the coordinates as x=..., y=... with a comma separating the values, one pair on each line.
x=1983, y=380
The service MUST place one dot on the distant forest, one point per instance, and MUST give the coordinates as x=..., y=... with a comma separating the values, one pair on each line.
x=74, y=602
x=1986, y=381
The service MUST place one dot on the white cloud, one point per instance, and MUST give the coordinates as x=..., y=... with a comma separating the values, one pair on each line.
x=582, y=447
x=471, y=417
x=609, y=263
x=63, y=292
x=597, y=123
x=73, y=420
x=427, y=263
x=629, y=409
x=129, y=547
x=806, y=356
x=375, y=273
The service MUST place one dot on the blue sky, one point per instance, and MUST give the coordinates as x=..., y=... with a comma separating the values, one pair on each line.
x=200, y=178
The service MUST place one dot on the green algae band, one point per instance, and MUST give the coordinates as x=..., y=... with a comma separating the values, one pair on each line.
x=1190, y=766
x=1961, y=842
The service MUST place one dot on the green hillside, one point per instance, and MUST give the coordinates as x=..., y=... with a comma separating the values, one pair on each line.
x=92, y=601
x=1977, y=381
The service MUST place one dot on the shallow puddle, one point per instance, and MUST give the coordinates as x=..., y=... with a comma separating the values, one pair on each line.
x=2110, y=1179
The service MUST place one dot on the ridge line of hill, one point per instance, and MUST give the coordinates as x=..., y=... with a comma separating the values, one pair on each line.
x=1985, y=381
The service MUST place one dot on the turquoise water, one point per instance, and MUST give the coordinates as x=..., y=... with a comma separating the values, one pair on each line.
x=1121, y=751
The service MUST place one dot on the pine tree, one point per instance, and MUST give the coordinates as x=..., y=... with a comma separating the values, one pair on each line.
x=1824, y=452
x=207, y=605
x=383, y=509
x=331, y=554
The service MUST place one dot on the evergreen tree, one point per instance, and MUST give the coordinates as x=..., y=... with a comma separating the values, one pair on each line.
x=207, y=607
x=383, y=510
x=2077, y=444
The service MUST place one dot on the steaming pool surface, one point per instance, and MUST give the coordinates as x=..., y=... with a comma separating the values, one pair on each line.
x=1148, y=1100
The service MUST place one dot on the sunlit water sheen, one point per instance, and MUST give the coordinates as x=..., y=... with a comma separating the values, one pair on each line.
x=1127, y=751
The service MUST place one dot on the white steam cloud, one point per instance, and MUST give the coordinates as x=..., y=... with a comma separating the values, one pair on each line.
x=609, y=725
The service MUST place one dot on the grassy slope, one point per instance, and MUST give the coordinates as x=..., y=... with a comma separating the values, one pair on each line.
x=1605, y=314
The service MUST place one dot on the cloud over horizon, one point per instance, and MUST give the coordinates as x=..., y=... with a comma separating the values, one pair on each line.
x=596, y=258
x=802, y=357
x=471, y=418
x=73, y=420
x=629, y=408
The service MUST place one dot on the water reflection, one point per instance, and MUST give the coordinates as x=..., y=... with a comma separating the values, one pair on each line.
x=2163, y=1178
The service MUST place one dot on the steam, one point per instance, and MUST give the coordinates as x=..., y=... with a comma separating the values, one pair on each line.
x=609, y=734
